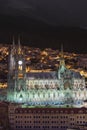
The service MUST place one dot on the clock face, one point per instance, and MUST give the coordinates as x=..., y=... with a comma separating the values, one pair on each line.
x=20, y=62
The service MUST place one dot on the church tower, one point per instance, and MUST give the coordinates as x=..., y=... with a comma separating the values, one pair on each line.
x=11, y=65
x=62, y=61
x=62, y=66
x=64, y=74
x=16, y=74
x=20, y=68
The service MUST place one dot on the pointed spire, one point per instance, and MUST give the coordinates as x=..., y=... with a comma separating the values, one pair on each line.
x=13, y=42
x=19, y=45
x=19, y=42
x=62, y=61
x=13, y=46
x=62, y=55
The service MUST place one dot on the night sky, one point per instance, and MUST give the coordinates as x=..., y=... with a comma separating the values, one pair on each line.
x=45, y=23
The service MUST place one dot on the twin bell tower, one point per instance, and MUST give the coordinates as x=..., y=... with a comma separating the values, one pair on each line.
x=16, y=72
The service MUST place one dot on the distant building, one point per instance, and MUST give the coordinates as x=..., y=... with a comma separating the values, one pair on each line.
x=60, y=87
x=44, y=100
x=82, y=62
x=4, y=120
x=21, y=118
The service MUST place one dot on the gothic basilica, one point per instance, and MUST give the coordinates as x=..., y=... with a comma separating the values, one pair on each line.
x=54, y=88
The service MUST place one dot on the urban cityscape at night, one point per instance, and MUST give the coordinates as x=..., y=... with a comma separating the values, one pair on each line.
x=49, y=83
x=43, y=65
x=42, y=60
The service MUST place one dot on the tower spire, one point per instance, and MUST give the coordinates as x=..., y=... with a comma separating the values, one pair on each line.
x=62, y=61
x=13, y=49
x=13, y=41
x=19, y=46
x=19, y=41
x=62, y=55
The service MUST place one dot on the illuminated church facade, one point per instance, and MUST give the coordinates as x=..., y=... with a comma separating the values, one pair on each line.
x=59, y=87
